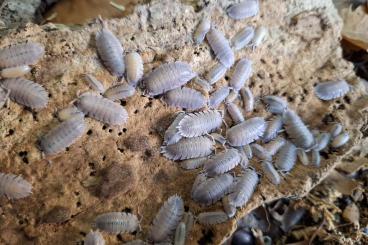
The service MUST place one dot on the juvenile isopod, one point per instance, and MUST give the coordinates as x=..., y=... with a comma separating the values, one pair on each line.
x=271, y=173
x=248, y=99
x=21, y=54
x=200, y=123
x=4, y=95
x=94, y=83
x=94, y=238
x=322, y=141
x=172, y=134
x=259, y=35
x=332, y=89
x=119, y=91
x=203, y=84
x=297, y=130
x=273, y=128
x=213, y=189
x=246, y=132
x=167, y=77
x=244, y=9
x=335, y=130
x=242, y=38
x=203, y=27
x=286, y=157
x=180, y=234
x=167, y=219
x=188, y=220
x=243, y=71
x=212, y=218
x=218, y=138
x=302, y=156
x=217, y=97
x=64, y=135
x=14, y=187
x=222, y=162
x=117, y=222
x=229, y=209
x=221, y=47
x=193, y=163
x=134, y=68
x=275, y=145
x=69, y=112
x=340, y=140
x=187, y=148
x=186, y=98
x=13, y=72
x=244, y=188
x=26, y=92
x=232, y=96
x=260, y=152
x=316, y=158
x=275, y=104
x=102, y=109
x=216, y=73
x=235, y=113
x=110, y=51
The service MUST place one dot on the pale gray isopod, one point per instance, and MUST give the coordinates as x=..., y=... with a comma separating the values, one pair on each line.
x=211, y=190
x=102, y=109
x=134, y=68
x=335, y=130
x=273, y=128
x=200, y=179
x=217, y=97
x=260, y=152
x=186, y=98
x=235, y=113
x=216, y=73
x=244, y=9
x=26, y=92
x=229, y=209
x=246, y=132
x=94, y=83
x=332, y=89
x=14, y=186
x=167, y=219
x=218, y=138
x=322, y=141
x=94, y=238
x=4, y=95
x=203, y=84
x=275, y=145
x=247, y=151
x=203, y=27
x=232, y=96
x=110, y=51
x=172, y=134
x=242, y=38
x=187, y=148
x=212, y=218
x=259, y=35
x=117, y=222
x=302, y=156
x=316, y=158
x=119, y=91
x=188, y=219
x=180, y=234
x=243, y=71
x=69, y=112
x=222, y=162
x=271, y=173
x=21, y=54
x=244, y=188
x=340, y=140
x=275, y=104
x=193, y=163
x=248, y=99
x=286, y=157
x=167, y=77
x=13, y=72
x=200, y=123
x=64, y=135
x=297, y=130
x=221, y=47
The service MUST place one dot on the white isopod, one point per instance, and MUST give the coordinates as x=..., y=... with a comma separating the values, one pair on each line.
x=322, y=140
x=316, y=158
x=180, y=234
x=275, y=145
x=244, y=188
x=235, y=113
x=297, y=130
x=216, y=73
x=203, y=27
x=335, y=130
x=193, y=163
x=244, y=9
x=259, y=36
x=246, y=132
x=212, y=218
x=185, y=98
x=117, y=222
x=221, y=47
x=14, y=187
x=13, y=72
x=260, y=152
x=21, y=54
x=302, y=156
x=94, y=238
x=172, y=134
x=119, y=91
x=275, y=104
x=203, y=84
x=273, y=128
x=229, y=209
x=340, y=140
x=243, y=71
x=94, y=83
x=248, y=99
x=69, y=112
x=332, y=89
x=134, y=68
x=232, y=96
x=242, y=38
x=222, y=162
x=286, y=157
x=217, y=97
x=271, y=173
x=218, y=138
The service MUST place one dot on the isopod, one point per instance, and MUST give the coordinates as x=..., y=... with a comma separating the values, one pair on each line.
x=212, y=218
x=216, y=73
x=4, y=95
x=134, y=68
x=203, y=27
x=186, y=98
x=119, y=91
x=180, y=234
x=167, y=219
x=187, y=148
x=232, y=96
x=242, y=38
x=302, y=156
x=235, y=113
x=297, y=130
x=102, y=109
x=335, y=130
x=26, y=92
x=200, y=123
x=213, y=189
x=14, y=186
x=259, y=35
x=229, y=209
x=136, y=242
x=275, y=104
x=340, y=140
x=69, y=112
x=110, y=51
x=243, y=71
x=270, y=172
x=21, y=54
x=244, y=188
x=188, y=220
x=322, y=141
x=117, y=222
x=94, y=238
x=246, y=132
x=332, y=89
x=222, y=162
x=193, y=163
x=248, y=99
x=94, y=83
x=316, y=158
x=260, y=152
x=273, y=128
x=172, y=134
x=286, y=157
x=13, y=72
x=275, y=145
x=247, y=151
x=221, y=47
x=217, y=97
x=64, y=135
x=203, y=84
x=167, y=77
x=218, y=138
x=244, y=9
